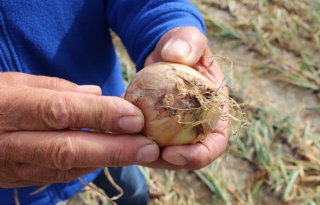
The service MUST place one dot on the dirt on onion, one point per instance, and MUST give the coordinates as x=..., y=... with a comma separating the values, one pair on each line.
x=180, y=105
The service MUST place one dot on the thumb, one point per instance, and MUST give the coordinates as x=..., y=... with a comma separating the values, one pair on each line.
x=184, y=45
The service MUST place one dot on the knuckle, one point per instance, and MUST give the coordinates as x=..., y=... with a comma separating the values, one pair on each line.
x=102, y=120
x=56, y=83
x=117, y=156
x=55, y=112
x=6, y=150
x=63, y=176
x=20, y=171
x=64, y=153
x=3, y=149
x=106, y=115
x=53, y=82
x=9, y=107
x=108, y=120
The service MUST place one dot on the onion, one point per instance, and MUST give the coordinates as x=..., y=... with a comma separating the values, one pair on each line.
x=179, y=104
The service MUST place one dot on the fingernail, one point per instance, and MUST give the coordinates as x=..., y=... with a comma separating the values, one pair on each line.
x=178, y=48
x=148, y=153
x=130, y=123
x=177, y=160
x=89, y=89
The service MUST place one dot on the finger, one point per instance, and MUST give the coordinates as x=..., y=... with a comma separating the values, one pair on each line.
x=210, y=68
x=9, y=184
x=75, y=149
x=40, y=109
x=183, y=45
x=197, y=155
x=45, y=175
x=53, y=83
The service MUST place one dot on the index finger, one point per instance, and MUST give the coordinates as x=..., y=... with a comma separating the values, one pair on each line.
x=42, y=109
x=65, y=150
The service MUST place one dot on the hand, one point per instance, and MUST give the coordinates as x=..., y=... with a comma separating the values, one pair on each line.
x=187, y=45
x=40, y=141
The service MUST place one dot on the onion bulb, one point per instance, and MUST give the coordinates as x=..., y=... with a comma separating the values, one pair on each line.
x=179, y=104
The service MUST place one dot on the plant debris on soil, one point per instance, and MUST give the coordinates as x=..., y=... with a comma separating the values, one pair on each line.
x=284, y=34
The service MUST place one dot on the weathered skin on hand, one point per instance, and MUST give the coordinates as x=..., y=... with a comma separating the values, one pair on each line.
x=39, y=141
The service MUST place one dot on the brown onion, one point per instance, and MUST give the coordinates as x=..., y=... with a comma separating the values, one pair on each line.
x=179, y=104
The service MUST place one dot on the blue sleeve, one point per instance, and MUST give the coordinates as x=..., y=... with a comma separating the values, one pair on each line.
x=140, y=24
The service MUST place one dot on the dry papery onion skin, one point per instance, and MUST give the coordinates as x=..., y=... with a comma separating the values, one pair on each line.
x=179, y=104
